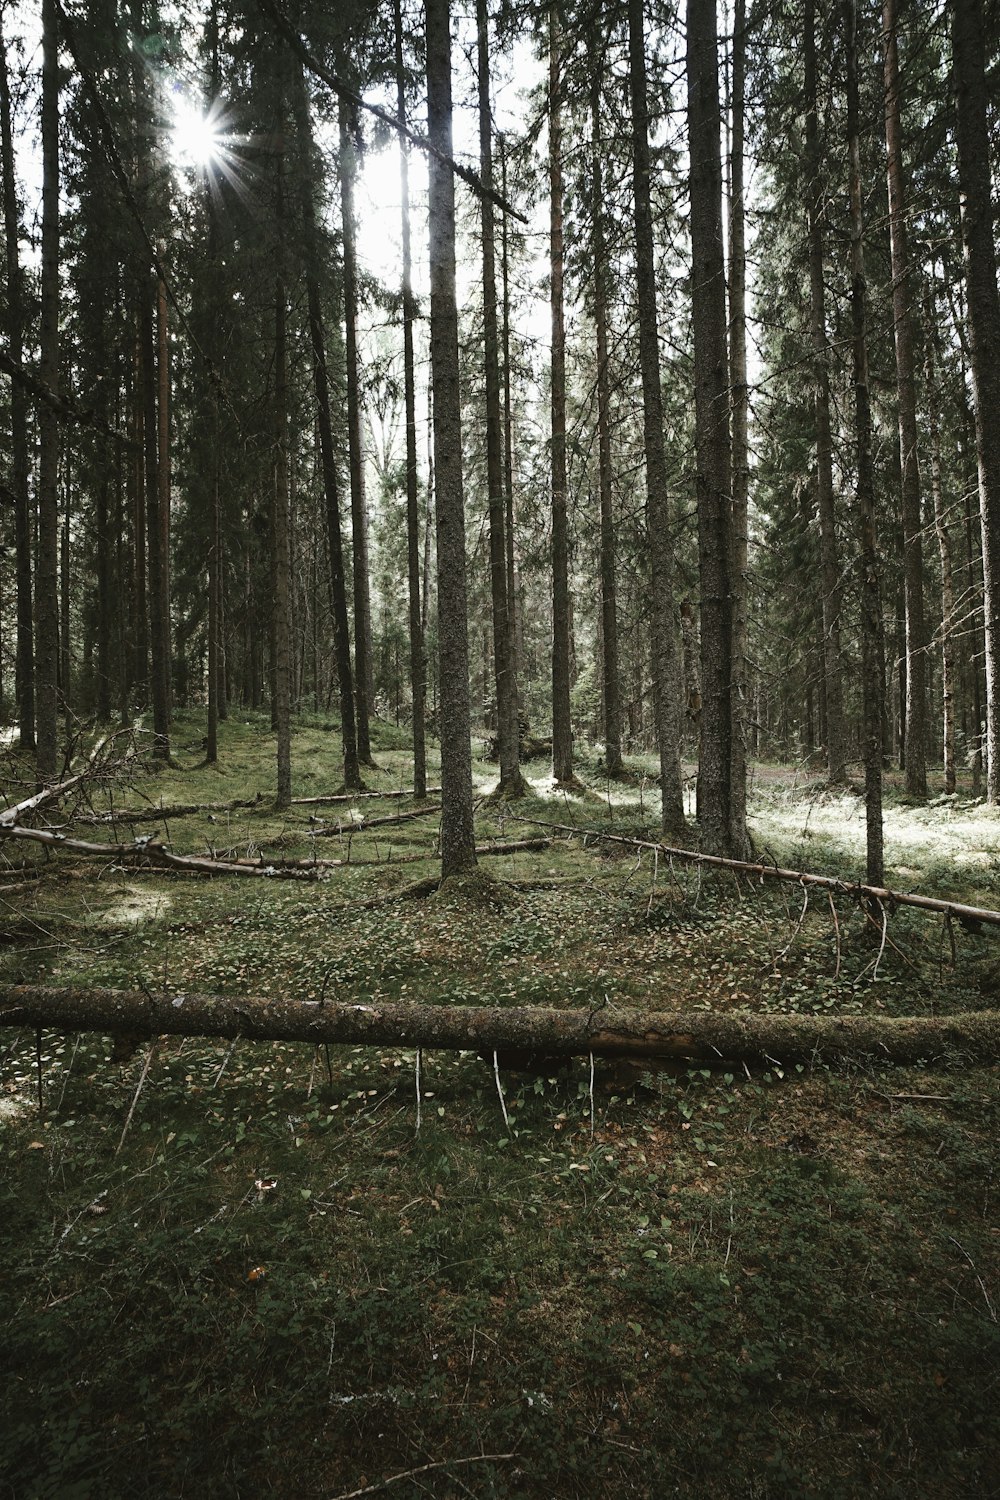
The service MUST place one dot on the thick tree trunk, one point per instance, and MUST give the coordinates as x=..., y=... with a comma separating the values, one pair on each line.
x=511, y=780
x=23, y=518
x=418, y=664
x=279, y=528
x=562, y=731
x=47, y=566
x=969, y=54
x=915, y=728
x=722, y=830
x=740, y=419
x=665, y=625
x=836, y=733
x=331, y=487
x=611, y=687
x=872, y=684
x=601, y=1031
x=458, y=844
x=359, y=515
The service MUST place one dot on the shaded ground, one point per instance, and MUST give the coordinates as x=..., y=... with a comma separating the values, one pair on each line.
x=696, y=1282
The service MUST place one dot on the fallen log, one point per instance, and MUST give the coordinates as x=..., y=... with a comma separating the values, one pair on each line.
x=969, y=916
x=55, y=792
x=149, y=852
x=164, y=811
x=604, y=1030
x=340, y=797
x=390, y=818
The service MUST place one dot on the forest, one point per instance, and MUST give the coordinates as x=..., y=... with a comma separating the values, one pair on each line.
x=500, y=765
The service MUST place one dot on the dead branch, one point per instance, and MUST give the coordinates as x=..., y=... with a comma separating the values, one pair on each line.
x=971, y=917
x=164, y=811
x=150, y=852
x=605, y=1031
x=403, y=817
x=340, y=797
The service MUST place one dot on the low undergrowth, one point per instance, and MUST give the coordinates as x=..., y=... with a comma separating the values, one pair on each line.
x=265, y=1270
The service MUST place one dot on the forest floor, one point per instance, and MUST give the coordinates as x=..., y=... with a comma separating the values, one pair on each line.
x=242, y=1270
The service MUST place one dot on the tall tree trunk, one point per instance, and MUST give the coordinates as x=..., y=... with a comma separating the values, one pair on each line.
x=665, y=627
x=46, y=576
x=359, y=517
x=508, y=444
x=915, y=730
x=969, y=52
x=511, y=780
x=872, y=685
x=418, y=665
x=721, y=829
x=948, y=675
x=740, y=420
x=331, y=488
x=151, y=437
x=562, y=731
x=836, y=731
x=137, y=507
x=279, y=532
x=611, y=687
x=65, y=652
x=23, y=517
x=164, y=476
x=458, y=846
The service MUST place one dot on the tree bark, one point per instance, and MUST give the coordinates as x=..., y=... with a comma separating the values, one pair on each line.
x=511, y=781
x=722, y=831
x=740, y=401
x=516, y=655
x=948, y=674
x=915, y=727
x=331, y=486
x=836, y=732
x=562, y=730
x=279, y=528
x=872, y=684
x=972, y=121
x=154, y=536
x=418, y=664
x=359, y=515
x=23, y=517
x=611, y=687
x=665, y=625
x=47, y=565
x=604, y=1032
x=458, y=845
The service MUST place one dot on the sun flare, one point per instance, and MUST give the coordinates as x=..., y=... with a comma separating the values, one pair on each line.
x=195, y=136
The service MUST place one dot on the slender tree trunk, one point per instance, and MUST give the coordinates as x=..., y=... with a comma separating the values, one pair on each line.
x=836, y=732
x=46, y=577
x=140, y=596
x=562, y=731
x=102, y=548
x=948, y=675
x=665, y=628
x=740, y=421
x=511, y=780
x=65, y=653
x=418, y=665
x=872, y=687
x=508, y=445
x=359, y=517
x=721, y=828
x=915, y=731
x=331, y=488
x=23, y=517
x=157, y=604
x=280, y=544
x=164, y=476
x=969, y=53
x=458, y=846
x=611, y=688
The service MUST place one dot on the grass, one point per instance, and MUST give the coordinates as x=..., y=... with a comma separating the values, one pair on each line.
x=264, y=1281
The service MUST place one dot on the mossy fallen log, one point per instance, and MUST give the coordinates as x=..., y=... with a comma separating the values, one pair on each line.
x=604, y=1030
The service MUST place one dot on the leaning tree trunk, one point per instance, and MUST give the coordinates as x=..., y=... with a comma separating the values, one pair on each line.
x=915, y=727
x=359, y=516
x=562, y=732
x=611, y=687
x=47, y=565
x=836, y=732
x=972, y=120
x=23, y=520
x=418, y=664
x=665, y=624
x=524, y=1032
x=872, y=686
x=511, y=781
x=458, y=844
x=722, y=830
x=331, y=487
